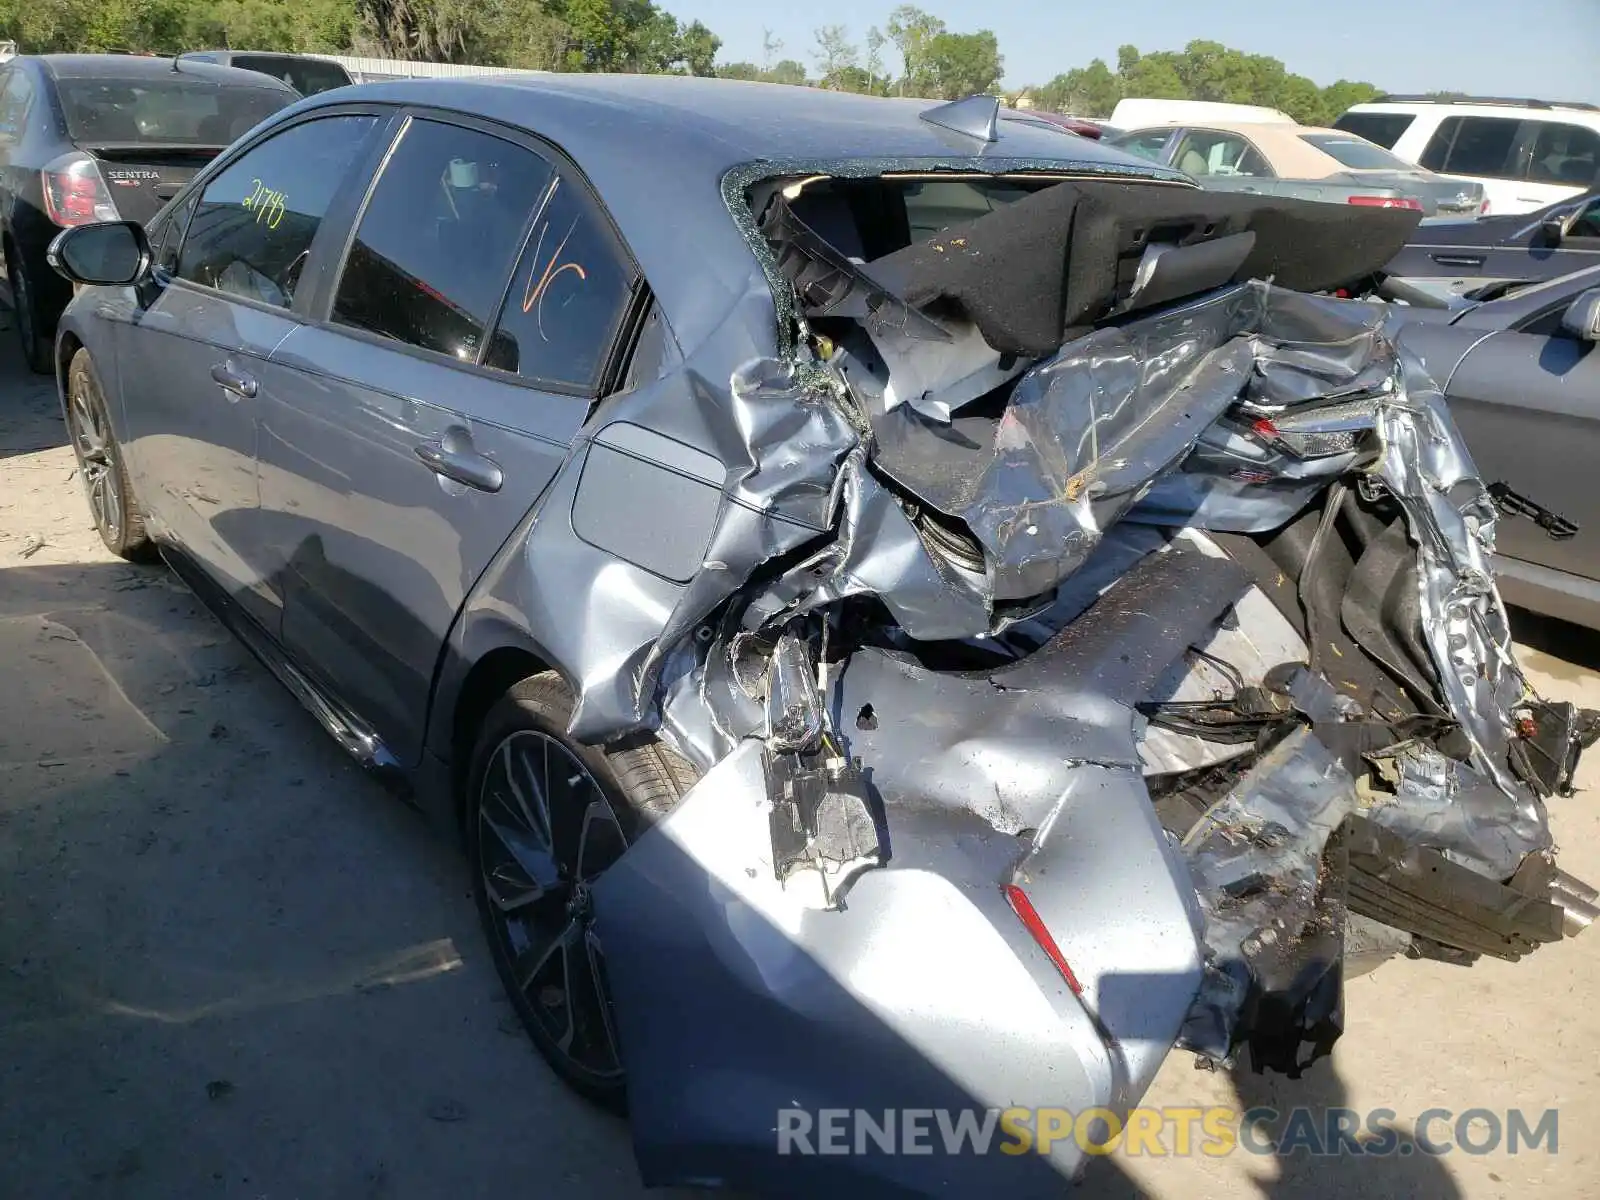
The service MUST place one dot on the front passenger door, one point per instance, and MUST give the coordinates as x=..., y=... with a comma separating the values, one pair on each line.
x=191, y=374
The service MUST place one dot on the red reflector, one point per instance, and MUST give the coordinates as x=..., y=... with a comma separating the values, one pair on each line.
x=1264, y=428
x=1029, y=916
x=1407, y=202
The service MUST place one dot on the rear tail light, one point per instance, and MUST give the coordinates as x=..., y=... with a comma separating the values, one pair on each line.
x=1410, y=202
x=1484, y=210
x=75, y=193
x=1034, y=924
x=1406, y=202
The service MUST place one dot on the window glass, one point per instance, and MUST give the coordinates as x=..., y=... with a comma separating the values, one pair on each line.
x=1473, y=146
x=1147, y=144
x=1355, y=153
x=1565, y=154
x=178, y=109
x=568, y=296
x=441, y=230
x=252, y=229
x=1204, y=152
x=1587, y=223
x=306, y=75
x=16, y=97
x=1382, y=129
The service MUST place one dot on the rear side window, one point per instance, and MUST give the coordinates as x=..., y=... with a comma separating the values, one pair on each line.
x=568, y=298
x=1565, y=154
x=437, y=241
x=252, y=229
x=1383, y=129
x=16, y=99
x=1473, y=146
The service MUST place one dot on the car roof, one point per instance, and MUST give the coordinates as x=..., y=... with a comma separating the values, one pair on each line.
x=1566, y=114
x=657, y=147
x=132, y=67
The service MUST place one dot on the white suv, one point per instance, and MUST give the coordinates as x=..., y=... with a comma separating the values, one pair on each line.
x=1526, y=153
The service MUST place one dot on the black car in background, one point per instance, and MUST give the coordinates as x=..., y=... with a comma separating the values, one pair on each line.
x=104, y=137
x=1466, y=256
x=304, y=74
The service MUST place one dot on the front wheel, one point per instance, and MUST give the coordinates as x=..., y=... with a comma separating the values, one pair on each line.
x=546, y=818
x=100, y=466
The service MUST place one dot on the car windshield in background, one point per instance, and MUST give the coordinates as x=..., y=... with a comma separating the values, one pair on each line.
x=1355, y=153
x=176, y=110
x=306, y=76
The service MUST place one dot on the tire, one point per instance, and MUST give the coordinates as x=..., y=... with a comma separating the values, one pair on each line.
x=36, y=347
x=533, y=900
x=112, y=503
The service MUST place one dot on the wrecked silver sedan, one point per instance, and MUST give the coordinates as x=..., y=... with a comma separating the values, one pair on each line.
x=909, y=610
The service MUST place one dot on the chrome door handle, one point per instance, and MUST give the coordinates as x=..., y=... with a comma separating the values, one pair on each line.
x=231, y=379
x=464, y=466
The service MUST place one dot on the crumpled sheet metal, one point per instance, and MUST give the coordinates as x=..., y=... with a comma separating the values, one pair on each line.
x=1448, y=806
x=1451, y=518
x=1256, y=858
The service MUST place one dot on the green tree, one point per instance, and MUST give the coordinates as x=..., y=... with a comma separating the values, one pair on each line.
x=835, y=52
x=787, y=71
x=912, y=31
x=1202, y=70
x=740, y=70
x=964, y=64
x=1091, y=91
x=1338, y=96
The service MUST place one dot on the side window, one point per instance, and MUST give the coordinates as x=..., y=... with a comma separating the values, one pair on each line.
x=1565, y=154
x=1473, y=146
x=16, y=98
x=1146, y=145
x=252, y=228
x=1385, y=129
x=437, y=241
x=568, y=297
x=1204, y=152
x=1586, y=224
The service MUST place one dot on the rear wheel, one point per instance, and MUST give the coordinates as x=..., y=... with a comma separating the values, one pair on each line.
x=28, y=319
x=100, y=466
x=546, y=818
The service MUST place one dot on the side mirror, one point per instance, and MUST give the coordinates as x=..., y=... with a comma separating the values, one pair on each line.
x=1582, y=318
x=110, y=254
x=1552, y=230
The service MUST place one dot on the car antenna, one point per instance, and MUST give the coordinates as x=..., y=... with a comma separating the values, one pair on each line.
x=975, y=117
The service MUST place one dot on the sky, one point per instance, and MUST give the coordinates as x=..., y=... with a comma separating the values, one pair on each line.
x=1546, y=49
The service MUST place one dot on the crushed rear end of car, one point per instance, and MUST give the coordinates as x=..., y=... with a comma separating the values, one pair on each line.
x=1093, y=650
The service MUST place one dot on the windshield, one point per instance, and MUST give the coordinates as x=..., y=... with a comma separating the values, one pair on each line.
x=307, y=76
x=1356, y=153
x=176, y=110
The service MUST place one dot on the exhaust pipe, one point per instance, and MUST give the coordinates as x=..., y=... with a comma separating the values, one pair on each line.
x=1577, y=901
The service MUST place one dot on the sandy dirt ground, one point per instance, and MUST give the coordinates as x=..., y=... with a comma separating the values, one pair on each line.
x=231, y=965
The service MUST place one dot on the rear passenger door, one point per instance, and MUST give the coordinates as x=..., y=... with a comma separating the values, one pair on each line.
x=415, y=423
